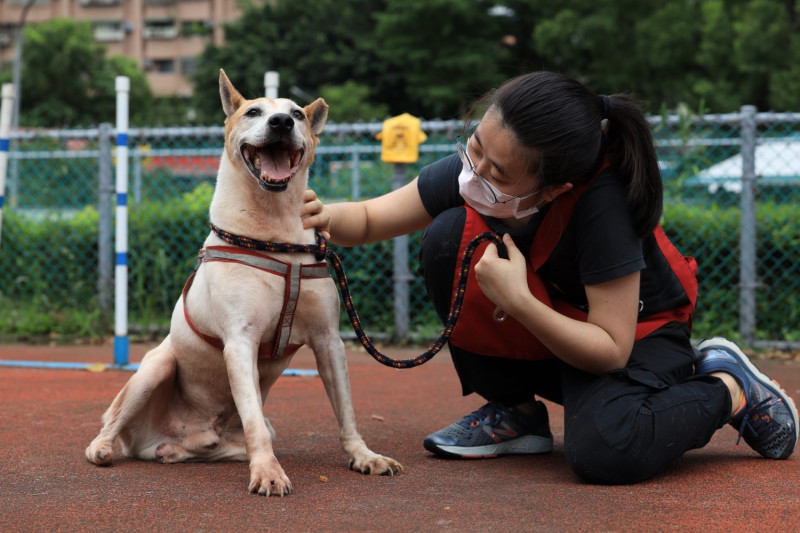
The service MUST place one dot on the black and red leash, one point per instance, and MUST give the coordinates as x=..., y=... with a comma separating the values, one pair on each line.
x=322, y=252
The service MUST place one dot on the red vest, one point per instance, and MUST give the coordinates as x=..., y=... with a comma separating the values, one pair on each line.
x=477, y=331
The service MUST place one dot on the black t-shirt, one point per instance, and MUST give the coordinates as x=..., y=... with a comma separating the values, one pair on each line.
x=598, y=245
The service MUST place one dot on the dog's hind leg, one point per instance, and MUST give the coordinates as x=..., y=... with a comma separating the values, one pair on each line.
x=136, y=398
x=332, y=366
x=208, y=445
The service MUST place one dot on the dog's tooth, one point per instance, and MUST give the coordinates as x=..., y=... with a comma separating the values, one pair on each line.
x=257, y=162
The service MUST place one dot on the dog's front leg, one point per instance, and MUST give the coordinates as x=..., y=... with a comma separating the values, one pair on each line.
x=332, y=367
x=266, y=474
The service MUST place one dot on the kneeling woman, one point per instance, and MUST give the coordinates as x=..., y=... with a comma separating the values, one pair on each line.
x=585, y=303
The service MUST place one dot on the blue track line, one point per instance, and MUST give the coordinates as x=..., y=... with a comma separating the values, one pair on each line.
x=132, y=367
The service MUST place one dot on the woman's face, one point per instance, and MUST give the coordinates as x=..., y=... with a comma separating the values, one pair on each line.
x=501, y=161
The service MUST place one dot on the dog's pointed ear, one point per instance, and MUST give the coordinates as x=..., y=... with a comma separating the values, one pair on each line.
x=317, y=113
x=231, y=99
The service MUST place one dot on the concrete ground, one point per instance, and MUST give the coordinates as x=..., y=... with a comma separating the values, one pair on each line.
x=50, y=415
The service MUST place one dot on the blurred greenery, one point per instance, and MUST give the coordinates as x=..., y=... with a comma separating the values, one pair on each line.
x=41, y=308
x=435, y=58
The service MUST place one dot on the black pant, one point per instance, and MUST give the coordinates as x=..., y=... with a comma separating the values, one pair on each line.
x=622, y=427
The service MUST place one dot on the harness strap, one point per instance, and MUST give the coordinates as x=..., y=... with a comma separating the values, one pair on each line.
x=293, y=274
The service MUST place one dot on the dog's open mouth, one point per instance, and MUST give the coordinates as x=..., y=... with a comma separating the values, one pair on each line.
x=273, y=165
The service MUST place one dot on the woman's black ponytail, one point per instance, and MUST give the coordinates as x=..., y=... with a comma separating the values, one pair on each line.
x=629, y=145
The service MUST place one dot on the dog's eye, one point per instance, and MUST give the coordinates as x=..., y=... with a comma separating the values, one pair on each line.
x=253, y=112
x=298, y=114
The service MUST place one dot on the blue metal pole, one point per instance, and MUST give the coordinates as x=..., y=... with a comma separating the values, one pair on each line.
x=121, y=341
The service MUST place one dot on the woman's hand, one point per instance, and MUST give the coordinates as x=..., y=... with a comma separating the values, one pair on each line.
x=598, y=345
x=504, y=281
x=314, y=214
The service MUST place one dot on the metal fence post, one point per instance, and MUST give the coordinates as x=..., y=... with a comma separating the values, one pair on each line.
x=748, y=282
x=355, y=180
x=105, y=248
x=402, y=277
x=136, y=162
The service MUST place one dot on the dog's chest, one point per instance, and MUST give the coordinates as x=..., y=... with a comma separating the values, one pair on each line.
x=261, y=292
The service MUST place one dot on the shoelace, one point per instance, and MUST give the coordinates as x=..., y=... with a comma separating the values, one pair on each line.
x=491, y=412
x=752, y=419
x=487, y=411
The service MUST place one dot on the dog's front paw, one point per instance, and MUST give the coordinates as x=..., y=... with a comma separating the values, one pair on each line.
x=269, y=480
x=372, y=463
x=99, y=453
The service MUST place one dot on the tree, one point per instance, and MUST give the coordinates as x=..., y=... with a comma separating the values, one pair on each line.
x=67, y=80
x=446, y=52
x=739, y=56
x=425, y=57
x=711, y=54
x=762, y=51
x=434, y=58
x=351, y=103
x=613, y=46
x=310, y=43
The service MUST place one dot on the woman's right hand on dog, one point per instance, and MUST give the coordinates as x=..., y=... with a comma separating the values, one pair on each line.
x=314, y=214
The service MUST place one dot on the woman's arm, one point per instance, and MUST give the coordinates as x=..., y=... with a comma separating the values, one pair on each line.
x=351, y=223
x=599, y=345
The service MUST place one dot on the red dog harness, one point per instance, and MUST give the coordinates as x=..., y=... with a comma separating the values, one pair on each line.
x=292, y=273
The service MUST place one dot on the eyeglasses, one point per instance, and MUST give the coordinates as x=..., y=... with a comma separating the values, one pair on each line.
x=489, y=191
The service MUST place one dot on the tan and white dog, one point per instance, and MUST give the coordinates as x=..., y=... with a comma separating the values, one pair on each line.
x=199, y=395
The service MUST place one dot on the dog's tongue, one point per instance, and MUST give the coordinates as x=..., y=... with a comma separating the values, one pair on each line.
x=274, y=163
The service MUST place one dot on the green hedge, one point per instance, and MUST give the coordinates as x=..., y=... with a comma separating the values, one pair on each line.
x=52, y=267
x=710, y=233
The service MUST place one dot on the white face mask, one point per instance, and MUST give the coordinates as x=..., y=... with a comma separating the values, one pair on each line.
x=487, y=200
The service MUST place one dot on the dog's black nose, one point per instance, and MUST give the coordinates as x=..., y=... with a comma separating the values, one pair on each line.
x=281, y=122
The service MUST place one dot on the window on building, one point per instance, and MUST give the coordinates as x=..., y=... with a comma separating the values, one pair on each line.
x=188, y=66
x=108, y=30
x=196, y=28
x=23, y=2
x=99, y=3
x=160, y=29
x=164, y=66
x=7, y=34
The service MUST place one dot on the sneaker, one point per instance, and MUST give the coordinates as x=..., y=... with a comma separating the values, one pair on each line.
x=493, y=430
x=768, y=421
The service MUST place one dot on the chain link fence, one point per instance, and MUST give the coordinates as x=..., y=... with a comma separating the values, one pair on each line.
x=731, y=184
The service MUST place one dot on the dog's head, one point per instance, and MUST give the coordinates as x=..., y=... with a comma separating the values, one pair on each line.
x=271, y=139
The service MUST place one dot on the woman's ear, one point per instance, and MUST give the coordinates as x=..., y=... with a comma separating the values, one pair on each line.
x=554, y=191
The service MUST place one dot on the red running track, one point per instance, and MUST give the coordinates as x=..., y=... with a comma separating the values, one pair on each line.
x=50, y=415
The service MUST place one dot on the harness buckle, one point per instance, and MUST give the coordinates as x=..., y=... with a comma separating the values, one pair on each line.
x=200, y=255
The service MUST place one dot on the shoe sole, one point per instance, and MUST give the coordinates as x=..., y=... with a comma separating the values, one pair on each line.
x=525, y=445
x=765, y=380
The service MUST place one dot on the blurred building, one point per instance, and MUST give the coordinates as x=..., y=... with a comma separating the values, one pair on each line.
x=164, y=36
